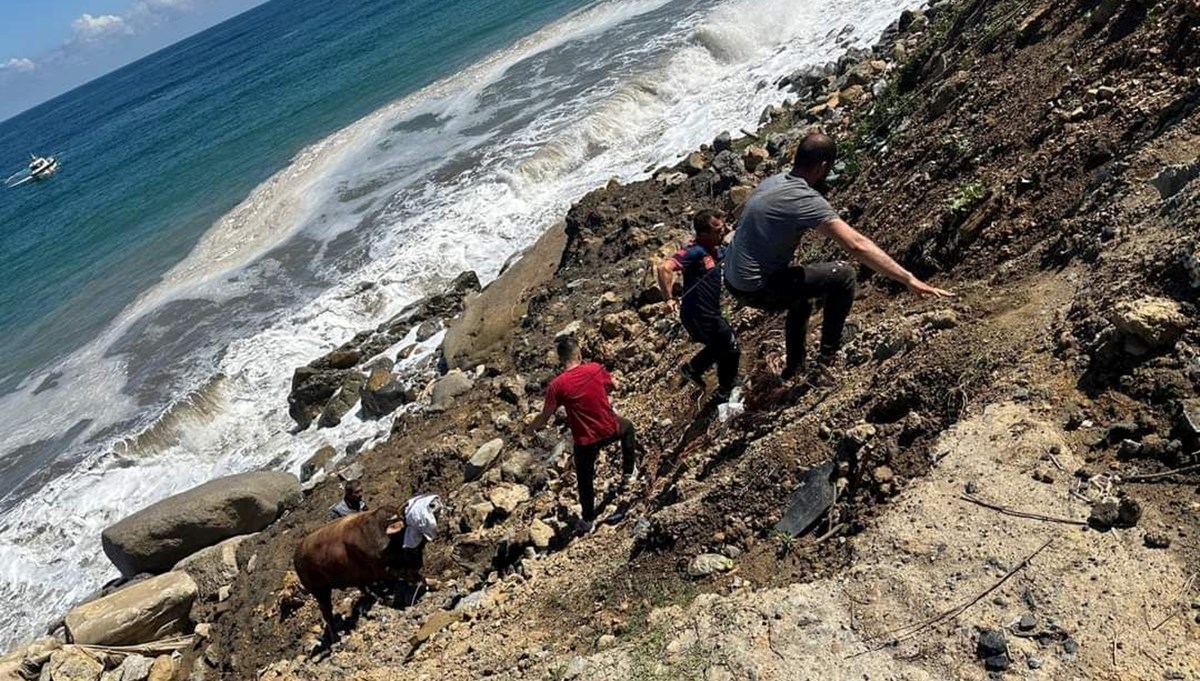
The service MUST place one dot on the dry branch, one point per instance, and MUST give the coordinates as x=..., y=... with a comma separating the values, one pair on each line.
x=911, y=630
x=1021, y=514
x=1147, y=477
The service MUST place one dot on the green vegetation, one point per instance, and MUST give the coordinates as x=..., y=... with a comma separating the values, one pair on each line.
x=784, y=542
x=967, y=197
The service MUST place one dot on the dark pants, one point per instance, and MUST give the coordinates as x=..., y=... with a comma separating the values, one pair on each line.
x=720, y=348
x=793, y=289
x=585, y=463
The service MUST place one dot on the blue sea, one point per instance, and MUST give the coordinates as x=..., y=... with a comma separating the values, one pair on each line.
x=241, y=202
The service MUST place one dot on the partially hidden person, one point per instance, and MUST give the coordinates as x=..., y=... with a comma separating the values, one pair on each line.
x=352, y=500
x=700, y=308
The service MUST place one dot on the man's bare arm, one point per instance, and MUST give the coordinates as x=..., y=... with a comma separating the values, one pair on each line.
x=666, y=279
x=865, y=251
x=541, y=420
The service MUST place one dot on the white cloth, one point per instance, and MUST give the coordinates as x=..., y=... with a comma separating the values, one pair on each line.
x=419, y=519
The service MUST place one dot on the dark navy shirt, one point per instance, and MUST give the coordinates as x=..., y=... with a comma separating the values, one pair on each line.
x=701, y=280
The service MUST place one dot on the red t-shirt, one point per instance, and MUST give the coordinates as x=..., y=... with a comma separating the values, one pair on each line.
x=583, y=391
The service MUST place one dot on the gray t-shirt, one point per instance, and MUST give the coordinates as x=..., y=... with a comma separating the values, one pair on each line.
x=775, y=217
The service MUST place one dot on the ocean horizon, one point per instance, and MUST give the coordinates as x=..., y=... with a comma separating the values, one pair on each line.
x=222, y=201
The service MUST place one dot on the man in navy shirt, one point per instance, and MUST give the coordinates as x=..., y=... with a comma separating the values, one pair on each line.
x=701, y=309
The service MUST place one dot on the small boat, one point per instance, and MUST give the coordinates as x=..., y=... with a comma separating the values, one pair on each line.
x=40, y=168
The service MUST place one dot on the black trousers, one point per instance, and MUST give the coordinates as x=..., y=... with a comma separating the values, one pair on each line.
x=720, y=348
x=793, y=289
x=585, y=463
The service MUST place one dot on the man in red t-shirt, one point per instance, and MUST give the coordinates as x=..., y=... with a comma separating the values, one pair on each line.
x=582, y=389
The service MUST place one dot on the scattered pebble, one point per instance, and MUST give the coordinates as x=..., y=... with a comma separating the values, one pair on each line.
x=1028, y=622
x=1154, y=540
x=1034, y=662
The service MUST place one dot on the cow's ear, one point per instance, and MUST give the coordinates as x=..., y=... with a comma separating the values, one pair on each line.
x=395, y=528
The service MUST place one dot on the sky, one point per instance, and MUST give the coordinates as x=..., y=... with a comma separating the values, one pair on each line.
x=48, y=48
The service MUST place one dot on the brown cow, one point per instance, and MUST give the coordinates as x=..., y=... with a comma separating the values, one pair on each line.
x=355, y=551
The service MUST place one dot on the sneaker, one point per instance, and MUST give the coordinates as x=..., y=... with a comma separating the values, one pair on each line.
x=630, y=479
x=690, y=376
x=722, y=396
x=583, y=527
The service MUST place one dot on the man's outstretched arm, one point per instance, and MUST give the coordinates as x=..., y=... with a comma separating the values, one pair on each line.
x=665, y=270
x=863, y=250
x=542, y=419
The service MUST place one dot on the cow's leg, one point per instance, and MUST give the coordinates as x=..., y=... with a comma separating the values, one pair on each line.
x=325, y=603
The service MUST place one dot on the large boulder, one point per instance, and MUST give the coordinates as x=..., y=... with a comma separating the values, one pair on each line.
x=157, y=537
x=213, y=567
x=487, y=317
x=382, y=394
x=140, y=613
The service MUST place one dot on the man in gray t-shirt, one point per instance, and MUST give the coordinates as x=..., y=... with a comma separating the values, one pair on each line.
x=758, y=268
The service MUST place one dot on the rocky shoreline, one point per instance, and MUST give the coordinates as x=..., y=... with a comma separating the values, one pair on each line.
x=1060, y=203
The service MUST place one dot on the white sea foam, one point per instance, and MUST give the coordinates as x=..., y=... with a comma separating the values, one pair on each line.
x=470, y=198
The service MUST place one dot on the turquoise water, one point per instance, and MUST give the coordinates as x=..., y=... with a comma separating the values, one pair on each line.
x=244, y=201
x=153, y=154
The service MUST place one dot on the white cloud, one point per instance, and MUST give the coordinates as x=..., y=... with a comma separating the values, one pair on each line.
x=93, y=30
x=20, y=64
x=149, y=11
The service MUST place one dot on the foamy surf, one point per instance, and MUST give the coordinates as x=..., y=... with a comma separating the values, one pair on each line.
x=472, y=184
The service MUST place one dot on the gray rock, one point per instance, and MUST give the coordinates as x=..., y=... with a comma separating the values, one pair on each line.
x=722, y=142
x=135, y=668
x=707, y=564
x=213, y=567
x=428, y=329
x=728, y=166
x=157, y=537
x=448, y=388
x=71, y=663
x=311, y=390
x=992, y=648
x=317, y=462
x=139, y=613
x=507, y=497
x=1028, y=622
x=342, y=401
x=482, y=459
x=517, y=467
x=1154, y=540
x=511, y=389
x=475, y=516
x=382, y=394
x=1112, y=512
